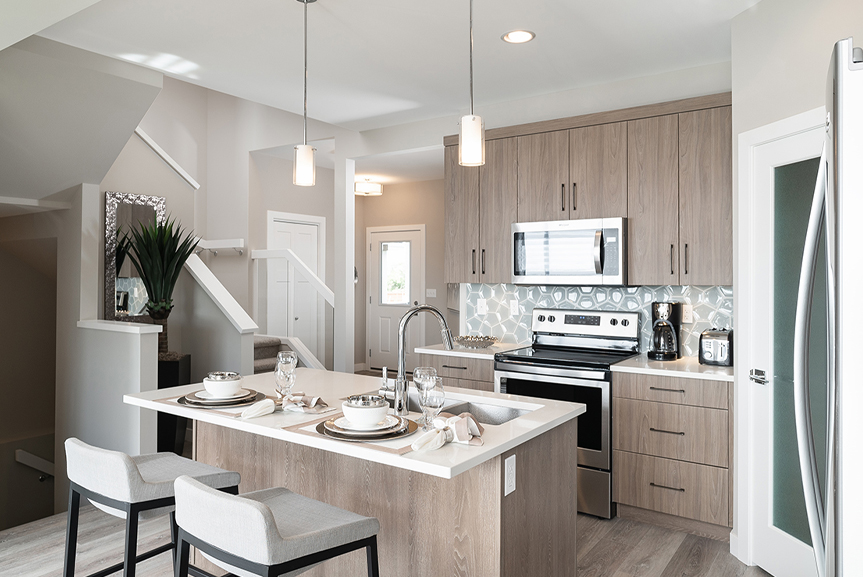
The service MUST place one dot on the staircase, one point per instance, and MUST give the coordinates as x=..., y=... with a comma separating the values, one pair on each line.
x=266, y=350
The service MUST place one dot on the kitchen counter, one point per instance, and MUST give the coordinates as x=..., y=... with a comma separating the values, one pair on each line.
x=686, y=367
x=444, y=512
x=459, y=351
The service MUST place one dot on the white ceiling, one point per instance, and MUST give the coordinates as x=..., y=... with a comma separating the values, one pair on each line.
x=378, y=63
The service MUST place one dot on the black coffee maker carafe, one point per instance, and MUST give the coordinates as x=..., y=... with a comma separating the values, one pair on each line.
x=665, y=336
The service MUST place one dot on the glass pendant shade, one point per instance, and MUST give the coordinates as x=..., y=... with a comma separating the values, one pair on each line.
x=304, y=165
x=471, y=141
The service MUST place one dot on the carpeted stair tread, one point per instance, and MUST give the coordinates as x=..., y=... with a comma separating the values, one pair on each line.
x=267, y=347
x=265, y=365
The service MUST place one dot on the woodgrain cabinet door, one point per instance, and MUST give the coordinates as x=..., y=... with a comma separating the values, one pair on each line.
x=654, y=249
x=705, y=197
x=498, y=209
x=543, y=177
x=597, y=171
x=461, y=217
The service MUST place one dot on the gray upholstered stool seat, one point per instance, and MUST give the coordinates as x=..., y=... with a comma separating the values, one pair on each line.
x=130, y=488
x=269, y=532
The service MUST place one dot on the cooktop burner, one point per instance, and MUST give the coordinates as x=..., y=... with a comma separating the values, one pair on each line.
x=564, y=357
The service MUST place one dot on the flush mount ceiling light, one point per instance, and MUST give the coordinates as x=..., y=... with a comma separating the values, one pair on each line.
x=518, y=36
x=304, y=154
x=471, y=134
x=368, y=188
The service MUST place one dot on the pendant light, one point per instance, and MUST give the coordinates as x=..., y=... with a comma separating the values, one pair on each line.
x=304, y=154
x=471, y=134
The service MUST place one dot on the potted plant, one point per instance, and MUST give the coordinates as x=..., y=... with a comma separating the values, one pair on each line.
x=158, y=252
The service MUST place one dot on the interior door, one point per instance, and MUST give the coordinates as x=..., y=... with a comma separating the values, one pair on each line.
x=784, y=173
x=396, y=282
x=292, y=303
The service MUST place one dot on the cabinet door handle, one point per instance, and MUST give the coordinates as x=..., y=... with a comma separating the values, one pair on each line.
x=672, y=259
x=454, y=367
x=686, y=258
x=563, y=196
x=669, y=432
x=473, y=261
x=482, y=261
x=574, y=195
x=652, y=484
x=668, y=390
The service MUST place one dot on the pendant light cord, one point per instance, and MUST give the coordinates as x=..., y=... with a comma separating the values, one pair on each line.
x=471, y=57
x=306, y=67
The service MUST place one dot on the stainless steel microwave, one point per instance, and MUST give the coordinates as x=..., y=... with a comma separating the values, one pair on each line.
x=569, y=252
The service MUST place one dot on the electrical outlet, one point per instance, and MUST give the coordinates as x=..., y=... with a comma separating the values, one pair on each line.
x=509, y=475
x=481, y=307
x=431, y=293
x=513, y=308
x=687, y=314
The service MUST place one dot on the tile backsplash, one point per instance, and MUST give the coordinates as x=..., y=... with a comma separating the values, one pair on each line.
x=712, y=306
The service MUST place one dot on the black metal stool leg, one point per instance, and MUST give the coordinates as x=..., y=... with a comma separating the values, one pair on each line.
x=131, y=553
x=181, y=560
x=372, y=557
x=71, y=533
x=173, y=520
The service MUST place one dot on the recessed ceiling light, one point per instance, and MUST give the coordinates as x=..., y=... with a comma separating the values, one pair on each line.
x=518, y=36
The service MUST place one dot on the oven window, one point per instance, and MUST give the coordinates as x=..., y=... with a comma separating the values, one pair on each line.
x=589, y=424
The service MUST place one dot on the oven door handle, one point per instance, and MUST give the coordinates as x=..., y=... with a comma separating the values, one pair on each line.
x=557, y=380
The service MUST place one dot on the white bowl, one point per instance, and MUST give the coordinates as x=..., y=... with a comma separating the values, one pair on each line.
x=223, y=385
x=364, y=416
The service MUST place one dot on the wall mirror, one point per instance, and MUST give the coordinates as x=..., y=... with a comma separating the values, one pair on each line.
x=125, y=295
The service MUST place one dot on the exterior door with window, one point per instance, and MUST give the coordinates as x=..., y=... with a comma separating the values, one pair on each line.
x=396, y=282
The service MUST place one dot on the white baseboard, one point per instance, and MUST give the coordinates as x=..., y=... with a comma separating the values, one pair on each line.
x=361, y=367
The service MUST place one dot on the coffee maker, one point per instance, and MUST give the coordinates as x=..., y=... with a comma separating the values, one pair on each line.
x=665, y=335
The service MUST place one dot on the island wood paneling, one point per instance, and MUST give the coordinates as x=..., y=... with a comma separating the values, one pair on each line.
x=597, y=171
x=543, y=175
x=461, y=215
x=677, y=390
x=682, y=432
x=706, y=235
x=429, y=526
x=498, y=202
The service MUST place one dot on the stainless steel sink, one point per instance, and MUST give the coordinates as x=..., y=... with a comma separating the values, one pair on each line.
x=485, y=413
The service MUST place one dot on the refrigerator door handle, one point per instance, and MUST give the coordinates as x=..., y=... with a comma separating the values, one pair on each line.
x=802, y=413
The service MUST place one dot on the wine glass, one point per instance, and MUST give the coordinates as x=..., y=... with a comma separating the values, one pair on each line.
x=286, y=364
x=431, y=401
x=423, y=380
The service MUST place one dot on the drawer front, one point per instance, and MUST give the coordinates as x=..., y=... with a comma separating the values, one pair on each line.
x=477, y=385
x=460, y=367
x=674, y=487
x=680, y=391
x=680, y=432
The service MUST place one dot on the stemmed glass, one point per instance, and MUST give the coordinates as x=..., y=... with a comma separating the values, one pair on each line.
x=423, y=380
x=286, y=364
x=431, y=401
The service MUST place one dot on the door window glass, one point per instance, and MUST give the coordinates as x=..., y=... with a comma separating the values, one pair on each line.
x=395, y=272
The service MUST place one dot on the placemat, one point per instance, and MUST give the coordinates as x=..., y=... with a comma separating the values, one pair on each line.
x=398, y=446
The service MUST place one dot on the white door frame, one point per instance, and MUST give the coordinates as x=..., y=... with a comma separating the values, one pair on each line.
x=321, y=223
x=369, y=276
x=746, y=424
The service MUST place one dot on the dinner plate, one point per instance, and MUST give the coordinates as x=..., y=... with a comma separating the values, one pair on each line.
x=194, y=401
x=388, y=423
x=330, y=425
x=207, y=396
x=409, y=427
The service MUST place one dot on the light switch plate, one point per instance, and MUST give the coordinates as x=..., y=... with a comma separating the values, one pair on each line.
x=481, y=307
x=509, y=475
x=687, y=314
x=513, y=308
x=431, y=293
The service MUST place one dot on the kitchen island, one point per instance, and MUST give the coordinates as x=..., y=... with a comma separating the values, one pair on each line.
x=443, y=512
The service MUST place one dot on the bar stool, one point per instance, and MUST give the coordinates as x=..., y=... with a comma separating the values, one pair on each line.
x=129, y=488
x=268, y=533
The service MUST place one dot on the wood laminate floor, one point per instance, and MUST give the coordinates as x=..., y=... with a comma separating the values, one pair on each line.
x=616, y=548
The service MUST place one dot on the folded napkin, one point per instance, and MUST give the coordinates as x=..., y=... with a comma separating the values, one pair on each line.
x=259, y=409
x=463, y=428
x=305, y=404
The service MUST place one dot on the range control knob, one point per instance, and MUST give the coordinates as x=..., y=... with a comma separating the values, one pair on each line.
x=541, y=318
x=551, y=318
x=624, y=322
x=613, y=322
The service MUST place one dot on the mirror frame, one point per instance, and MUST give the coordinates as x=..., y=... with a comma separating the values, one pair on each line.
x=112, y=200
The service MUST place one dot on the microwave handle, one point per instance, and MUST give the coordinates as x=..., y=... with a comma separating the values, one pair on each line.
x=597, y=252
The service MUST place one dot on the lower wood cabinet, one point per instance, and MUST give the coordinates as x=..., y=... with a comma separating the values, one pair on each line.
x=464, y=372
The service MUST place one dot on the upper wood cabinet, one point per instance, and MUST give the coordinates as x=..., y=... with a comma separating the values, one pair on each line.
x=706, y=197
x=498, y=207
x=543, y=176
x=654, y=248
x=461, y=217
x=481, y=205
x=597, y=171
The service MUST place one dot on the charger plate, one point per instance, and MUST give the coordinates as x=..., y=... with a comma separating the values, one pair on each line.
x=406, y=427
x=191, y=400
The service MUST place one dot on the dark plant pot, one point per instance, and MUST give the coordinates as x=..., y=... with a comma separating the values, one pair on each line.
x=170, y=429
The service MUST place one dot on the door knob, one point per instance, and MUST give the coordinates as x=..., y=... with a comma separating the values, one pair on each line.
x=296, y=318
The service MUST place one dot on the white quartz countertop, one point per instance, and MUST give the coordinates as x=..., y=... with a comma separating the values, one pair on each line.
x=333, y=387
x=459, y=351
x=686, y=367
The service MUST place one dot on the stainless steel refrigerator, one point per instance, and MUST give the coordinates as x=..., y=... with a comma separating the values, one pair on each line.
x=834, y=497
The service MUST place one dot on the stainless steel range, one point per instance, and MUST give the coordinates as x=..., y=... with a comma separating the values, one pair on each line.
x=570, y=360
